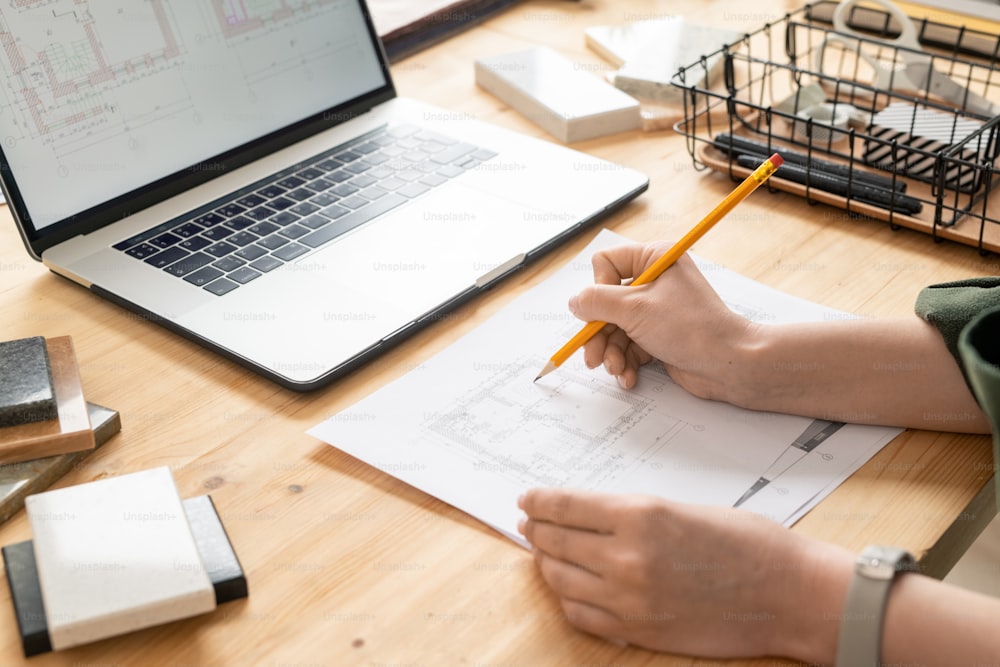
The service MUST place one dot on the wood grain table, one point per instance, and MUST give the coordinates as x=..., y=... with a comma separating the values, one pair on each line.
x=347, y=565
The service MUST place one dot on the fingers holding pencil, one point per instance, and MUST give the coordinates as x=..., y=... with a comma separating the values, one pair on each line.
x=659, y=320
x=608, y=300
x=667, y=259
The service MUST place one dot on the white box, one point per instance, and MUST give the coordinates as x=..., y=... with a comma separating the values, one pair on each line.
x=570, y=104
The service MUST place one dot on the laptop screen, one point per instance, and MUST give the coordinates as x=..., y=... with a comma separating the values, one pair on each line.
x=99, y=99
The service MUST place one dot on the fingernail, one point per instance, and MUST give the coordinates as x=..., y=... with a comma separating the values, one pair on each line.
x=621, y=381
x=572, y=304
x=520, y=526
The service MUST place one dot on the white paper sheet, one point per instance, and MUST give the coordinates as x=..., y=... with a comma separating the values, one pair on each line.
x=472, y=428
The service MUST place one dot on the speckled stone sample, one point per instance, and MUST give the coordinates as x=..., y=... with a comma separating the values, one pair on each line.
x=26, y=391
x=70, y=431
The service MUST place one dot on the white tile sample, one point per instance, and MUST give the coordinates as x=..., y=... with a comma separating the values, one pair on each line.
x=568, y=103
x=651, y=52
x=114, y=556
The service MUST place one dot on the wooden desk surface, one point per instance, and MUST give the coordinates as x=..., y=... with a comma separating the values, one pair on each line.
x=348, y=566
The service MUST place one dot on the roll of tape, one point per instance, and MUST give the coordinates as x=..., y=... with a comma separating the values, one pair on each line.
x=824, y=122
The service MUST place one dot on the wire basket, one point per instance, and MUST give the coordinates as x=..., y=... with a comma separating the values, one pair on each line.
x=904, y=135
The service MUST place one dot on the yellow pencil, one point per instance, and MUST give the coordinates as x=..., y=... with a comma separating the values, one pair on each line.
x=752, y=182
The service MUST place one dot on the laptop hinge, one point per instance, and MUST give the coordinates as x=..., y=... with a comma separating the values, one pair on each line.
x=499, y=272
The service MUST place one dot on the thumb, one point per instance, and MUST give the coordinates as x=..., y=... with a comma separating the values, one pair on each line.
x=604, y=303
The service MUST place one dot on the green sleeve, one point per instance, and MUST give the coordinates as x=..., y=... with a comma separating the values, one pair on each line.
x=979, y=349
x=967, y=313
x=951, y=306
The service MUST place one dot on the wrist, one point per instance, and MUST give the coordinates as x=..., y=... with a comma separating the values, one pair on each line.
x=743, y=379
x=781, y=367
x=820, y=573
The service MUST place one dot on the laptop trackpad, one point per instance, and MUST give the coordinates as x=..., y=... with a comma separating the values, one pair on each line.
x=431, y=249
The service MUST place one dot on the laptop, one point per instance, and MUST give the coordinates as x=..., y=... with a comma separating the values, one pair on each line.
x=246, y=176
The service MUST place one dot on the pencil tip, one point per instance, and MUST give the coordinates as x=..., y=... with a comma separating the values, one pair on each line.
x=549, y=367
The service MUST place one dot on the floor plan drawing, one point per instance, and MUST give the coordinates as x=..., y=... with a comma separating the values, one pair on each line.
x=574, y=443
x=62, y=80
x=244, y=24
x=472, y=427
x=113, y=95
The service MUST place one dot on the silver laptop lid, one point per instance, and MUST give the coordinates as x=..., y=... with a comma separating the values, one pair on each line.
x=106, y=111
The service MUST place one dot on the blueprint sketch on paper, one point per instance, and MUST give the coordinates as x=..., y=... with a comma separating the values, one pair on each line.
x=472, y=428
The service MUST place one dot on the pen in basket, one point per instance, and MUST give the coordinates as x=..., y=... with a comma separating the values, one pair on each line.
x=869, y=194
x=737, y=145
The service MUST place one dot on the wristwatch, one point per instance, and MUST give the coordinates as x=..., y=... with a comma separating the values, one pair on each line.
x=860, y=640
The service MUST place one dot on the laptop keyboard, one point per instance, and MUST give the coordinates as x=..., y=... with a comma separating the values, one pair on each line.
x=248, y=233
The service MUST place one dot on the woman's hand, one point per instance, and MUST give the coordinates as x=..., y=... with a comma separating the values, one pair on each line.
x=678, y=319
x=686, y=579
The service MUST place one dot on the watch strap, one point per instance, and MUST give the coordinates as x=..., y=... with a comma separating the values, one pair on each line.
x=859, y=643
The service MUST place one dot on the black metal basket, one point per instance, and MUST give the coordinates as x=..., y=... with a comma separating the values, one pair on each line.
x=853, y=132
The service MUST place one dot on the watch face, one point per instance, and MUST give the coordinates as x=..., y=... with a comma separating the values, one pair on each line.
x=878, y=562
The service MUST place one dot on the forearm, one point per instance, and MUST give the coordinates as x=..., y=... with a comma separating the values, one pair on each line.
x=932, y=623
x=926, y=622
x=879, y=371
x=820, y=573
